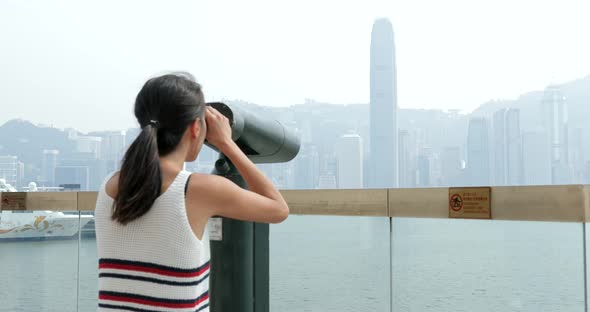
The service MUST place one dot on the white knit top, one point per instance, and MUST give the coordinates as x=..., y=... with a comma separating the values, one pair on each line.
x=154, y=263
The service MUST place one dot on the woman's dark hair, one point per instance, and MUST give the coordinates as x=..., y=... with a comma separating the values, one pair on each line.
x=165, y=107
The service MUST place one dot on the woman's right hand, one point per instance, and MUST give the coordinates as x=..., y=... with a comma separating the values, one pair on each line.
x=262, y=202
x=218, y=128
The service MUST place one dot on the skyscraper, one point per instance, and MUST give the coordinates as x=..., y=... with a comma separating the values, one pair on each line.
x=112, y=148
x=9, y=170
x=406, y=169
x=89, y=145
x=383, y=107
x=576, y=153
x=113, y=145
x=326, y=182
x=514, y=157
x=508, y=160
x=423, y=171
x=48, y=165
x=349, y=155
x=20, y=174
x=499, y=169
x=586, y=174
x=478, y=152
x=537, y=168
x=555, y=123
x=305, y=167
x=451, y=166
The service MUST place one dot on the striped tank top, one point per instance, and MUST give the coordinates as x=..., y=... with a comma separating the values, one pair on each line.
x=154, y=263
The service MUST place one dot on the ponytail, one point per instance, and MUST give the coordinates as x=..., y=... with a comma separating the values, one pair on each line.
x=140, y=179
x=165, y=107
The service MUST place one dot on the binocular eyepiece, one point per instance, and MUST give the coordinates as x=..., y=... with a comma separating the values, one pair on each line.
x=262, y=140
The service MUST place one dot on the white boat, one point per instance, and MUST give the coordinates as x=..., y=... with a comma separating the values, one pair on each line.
x=34, y=188
x=5, y=187
x=15, y=225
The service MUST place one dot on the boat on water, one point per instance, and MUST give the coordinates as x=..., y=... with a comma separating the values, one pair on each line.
x=40, y=225
x=5, y=187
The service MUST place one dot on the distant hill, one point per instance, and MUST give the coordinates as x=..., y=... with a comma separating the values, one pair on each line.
x=27, y=141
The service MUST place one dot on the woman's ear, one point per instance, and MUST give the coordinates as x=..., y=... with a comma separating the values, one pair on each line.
x=196, y=128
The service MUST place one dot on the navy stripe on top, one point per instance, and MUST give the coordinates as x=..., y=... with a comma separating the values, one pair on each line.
x=151, y=265
x=120, y=307
x=153, y=280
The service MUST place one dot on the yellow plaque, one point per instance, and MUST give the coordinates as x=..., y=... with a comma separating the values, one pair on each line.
x=470, y=202
x=13, y=201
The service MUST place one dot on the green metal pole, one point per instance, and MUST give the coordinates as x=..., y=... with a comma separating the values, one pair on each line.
x=239, y=262
x=261, y=268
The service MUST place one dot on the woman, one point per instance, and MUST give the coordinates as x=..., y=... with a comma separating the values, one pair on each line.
x=151, y=215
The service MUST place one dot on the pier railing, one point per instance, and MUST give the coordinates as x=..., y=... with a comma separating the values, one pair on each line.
x=349, y=250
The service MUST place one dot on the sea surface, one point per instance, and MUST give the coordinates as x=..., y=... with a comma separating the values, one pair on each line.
x=352, y=264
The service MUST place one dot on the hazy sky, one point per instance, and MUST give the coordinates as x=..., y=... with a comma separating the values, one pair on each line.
x=77, y=64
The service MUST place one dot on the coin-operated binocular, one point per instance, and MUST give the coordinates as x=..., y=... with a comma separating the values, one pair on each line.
x=262, y=140
x=240, y=250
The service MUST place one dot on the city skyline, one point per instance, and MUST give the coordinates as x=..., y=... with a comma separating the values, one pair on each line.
x=354, y=146
x=466, y=152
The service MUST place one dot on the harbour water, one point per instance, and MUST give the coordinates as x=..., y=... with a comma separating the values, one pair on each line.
x=351, y=264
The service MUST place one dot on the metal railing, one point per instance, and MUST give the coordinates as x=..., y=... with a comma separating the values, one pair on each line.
x=342, y=230
x=562, y=203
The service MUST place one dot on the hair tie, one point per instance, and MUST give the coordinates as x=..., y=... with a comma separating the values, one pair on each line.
x=154, y=123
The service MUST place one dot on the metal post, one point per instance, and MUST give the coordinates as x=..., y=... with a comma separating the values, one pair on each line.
x=585, y=259
x=239, y=262
x=261, y=268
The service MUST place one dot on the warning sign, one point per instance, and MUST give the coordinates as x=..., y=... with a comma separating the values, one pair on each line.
x=13, y=201
x=470, y=202
x=456, y=202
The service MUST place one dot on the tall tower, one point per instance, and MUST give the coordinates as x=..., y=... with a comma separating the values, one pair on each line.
x=383, y=108
x=507, y=147
x=349, y=155
x=514, y=157
x=555, y=123
x=478, y=152
x=9, y=170
x=49, y=163
x=537, y=168
x=500, y=170
x=406, y=169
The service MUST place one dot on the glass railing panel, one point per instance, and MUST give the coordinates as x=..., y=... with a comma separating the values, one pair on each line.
x=320, y=263
x=88, y=285
x=38, y=261
x=475, y=265
x=587, y=263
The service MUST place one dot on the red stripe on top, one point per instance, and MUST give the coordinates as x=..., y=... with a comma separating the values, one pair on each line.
x=130, y=267
x=204, y=269
x=153, y=303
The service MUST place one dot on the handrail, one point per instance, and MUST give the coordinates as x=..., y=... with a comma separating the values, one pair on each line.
x=562, y=203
